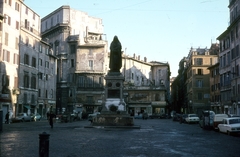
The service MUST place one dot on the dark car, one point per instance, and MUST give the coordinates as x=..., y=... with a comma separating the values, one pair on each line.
x=184, y=116
x=176, y=117
x=163, y=116
x=154, y=116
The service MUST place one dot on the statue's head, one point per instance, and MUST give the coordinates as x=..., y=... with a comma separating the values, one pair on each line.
x=115, y=38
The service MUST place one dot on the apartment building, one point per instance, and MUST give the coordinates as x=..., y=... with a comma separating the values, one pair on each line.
x=20, y=52
x=179, y=100
x=146, y=85
x=46, y=77
x=9, y=64
x=230, y=61
x=198, y=87
x=77, y=41
x=215, y=97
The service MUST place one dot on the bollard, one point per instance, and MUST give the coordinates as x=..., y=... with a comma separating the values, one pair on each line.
x=44, y=144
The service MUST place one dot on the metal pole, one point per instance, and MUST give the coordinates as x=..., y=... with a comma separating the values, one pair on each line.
x=44, y=144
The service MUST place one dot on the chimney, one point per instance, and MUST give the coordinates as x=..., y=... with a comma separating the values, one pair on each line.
x=145, y=59
x=139, y=57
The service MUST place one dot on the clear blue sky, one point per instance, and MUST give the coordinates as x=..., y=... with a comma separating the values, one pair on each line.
x=161, y=30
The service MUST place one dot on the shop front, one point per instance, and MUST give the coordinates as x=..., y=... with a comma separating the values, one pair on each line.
x=159, y=107
x=136, y=109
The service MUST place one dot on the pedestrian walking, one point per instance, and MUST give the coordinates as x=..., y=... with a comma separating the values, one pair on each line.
x=7, y=118
x=51, y=116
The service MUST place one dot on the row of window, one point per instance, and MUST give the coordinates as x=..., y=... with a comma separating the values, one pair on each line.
x=6, y=80
x=6, y=57
x=7, y=20
x=27, y=81
x=6, y=40
x=27, y=62
x=201, y=96
x=215, y=87
x=17, y=6
x=226, y=58
x=48, y=94
x=33, y=99
x=215, y=72
x=236, y=90
x=33, y=83
x=90, y=81
x=51, y=22
x=225, y=96
x=216, y=98
x=195, y=72
x=25, y=98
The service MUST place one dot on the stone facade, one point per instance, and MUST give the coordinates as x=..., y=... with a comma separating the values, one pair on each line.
x=198, y=87
x=83, y=62
x=230, y=61
x=215, y=97
x=77, y=40
x=27, y=61
x=146, y=86
x=9, y=54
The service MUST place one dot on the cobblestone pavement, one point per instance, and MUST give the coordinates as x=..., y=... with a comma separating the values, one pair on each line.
x=155, y=138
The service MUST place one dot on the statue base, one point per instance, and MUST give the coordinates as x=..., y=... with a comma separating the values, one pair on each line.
x=113, y=119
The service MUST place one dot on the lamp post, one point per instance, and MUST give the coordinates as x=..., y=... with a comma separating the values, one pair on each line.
x=190, y=103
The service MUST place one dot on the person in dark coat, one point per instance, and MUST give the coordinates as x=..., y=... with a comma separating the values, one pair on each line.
x=7, y=118
x=51, y=115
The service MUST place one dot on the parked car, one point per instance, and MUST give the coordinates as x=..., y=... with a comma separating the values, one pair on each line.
x=230, y=125
x=192, y=118
x=172, y=113
x=37, y=117
x=22, y=117
x=155, y=116
x=176, y=117
x=163, y=116
x=145, y=115
x=91, y=116
x=218, y=118
x=233, y=115
x=138, y=116
x=183, y=118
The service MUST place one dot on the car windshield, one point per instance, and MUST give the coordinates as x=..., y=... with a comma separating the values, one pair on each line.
x=234, y=121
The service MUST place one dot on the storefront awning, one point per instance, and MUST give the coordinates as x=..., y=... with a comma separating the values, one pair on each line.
x=27, y=107
x=159, y=103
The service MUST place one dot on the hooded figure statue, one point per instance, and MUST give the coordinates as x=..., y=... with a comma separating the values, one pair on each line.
x=115, y=62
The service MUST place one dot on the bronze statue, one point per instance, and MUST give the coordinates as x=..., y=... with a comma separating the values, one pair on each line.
x=115, y=62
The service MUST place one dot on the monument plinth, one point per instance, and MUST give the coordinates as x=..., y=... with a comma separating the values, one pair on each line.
x=114, y=111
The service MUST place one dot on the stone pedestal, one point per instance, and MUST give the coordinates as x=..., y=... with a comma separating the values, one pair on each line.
x=114, y=108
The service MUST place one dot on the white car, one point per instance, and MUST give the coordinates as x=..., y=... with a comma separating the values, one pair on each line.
x=22, y=117
x=230, y=125
x=192, y=118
